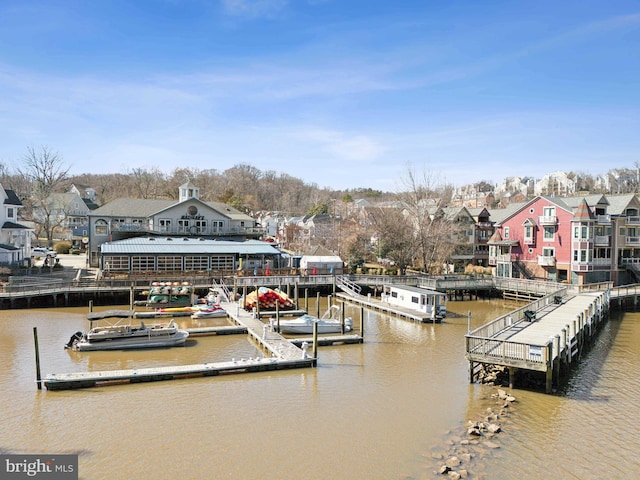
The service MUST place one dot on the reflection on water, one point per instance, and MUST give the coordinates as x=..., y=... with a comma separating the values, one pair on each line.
x=377, y=410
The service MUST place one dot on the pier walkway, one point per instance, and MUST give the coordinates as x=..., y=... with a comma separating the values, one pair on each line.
x=543, y=336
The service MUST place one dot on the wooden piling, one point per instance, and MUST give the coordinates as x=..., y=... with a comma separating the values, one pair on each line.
x=315, y=344
x=37, y=348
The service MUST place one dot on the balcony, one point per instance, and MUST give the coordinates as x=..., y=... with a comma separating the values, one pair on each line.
x=581, y=266
x=632, y=220
x=603, y=219
x=603, y=240
x=601, y=263
x=529, y=241
x=546, y=261
x=193, y=230
x=632, y=241
x=547, y=220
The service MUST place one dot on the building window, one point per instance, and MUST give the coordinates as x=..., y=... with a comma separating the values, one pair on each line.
x=414, y=299
x=548, y=233
x=170, y=263
x=222, y=262
x=528, y=232
x=183, y=226
x=143, y=263
x=506, y=233
x=548, y=252
x=117, y=263
x=196, y=263
x=101, y=227
x=201, y=226
x=164, y=225
x=10, y=213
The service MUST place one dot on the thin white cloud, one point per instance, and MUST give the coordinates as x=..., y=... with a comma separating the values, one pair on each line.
x=343, y=146
x=253, y=8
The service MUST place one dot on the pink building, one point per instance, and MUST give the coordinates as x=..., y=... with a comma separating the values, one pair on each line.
x=576, y=240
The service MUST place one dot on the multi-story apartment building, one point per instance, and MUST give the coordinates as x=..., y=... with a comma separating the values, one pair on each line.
x=577, y=240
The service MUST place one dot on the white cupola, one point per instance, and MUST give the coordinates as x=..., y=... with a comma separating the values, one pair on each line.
x=189, y=190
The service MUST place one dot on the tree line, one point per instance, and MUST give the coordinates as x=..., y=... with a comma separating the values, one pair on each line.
x=405, y=228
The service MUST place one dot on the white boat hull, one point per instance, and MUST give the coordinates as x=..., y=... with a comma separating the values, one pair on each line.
x=304, y=325
x=174, y=339
x=209, y=313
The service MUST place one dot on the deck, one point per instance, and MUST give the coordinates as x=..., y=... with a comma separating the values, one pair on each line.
x=541, y=336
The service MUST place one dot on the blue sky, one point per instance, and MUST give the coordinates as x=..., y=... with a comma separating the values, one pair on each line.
x=340, y=93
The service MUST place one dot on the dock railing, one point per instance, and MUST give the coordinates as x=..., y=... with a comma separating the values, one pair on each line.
x=493, y=328
x=484, y=341
x=508, y=352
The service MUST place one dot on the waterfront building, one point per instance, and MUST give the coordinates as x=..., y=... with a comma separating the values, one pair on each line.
x=189, y=217
x=184, y=256
x=578, y=240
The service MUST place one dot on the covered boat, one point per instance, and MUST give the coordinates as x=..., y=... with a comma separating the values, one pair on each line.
x=124, y=336
x=330, y=322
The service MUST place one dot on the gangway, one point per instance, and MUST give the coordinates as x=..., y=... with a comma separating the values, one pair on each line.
x=348, y=286
x=225, y=290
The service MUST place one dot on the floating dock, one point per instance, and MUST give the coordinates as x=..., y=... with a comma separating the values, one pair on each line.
x=284, y=354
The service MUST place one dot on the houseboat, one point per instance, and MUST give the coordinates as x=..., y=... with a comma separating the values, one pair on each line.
x=424, y=300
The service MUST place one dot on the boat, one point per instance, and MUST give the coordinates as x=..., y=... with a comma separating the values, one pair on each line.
x=330, y=322
x=117, y=335
x=209, y=311
x=430, y=303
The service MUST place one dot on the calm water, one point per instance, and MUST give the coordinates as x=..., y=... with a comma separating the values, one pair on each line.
x=381, y=410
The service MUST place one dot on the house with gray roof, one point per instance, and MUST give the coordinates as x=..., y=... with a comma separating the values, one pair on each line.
x=15, y=237
x=188, y=217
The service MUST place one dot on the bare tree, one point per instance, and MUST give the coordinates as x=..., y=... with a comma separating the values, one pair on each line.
x=47, y=172
x=422, y=203
x=396, y=239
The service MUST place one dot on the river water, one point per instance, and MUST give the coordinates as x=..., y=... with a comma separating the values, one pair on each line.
x=390, y=408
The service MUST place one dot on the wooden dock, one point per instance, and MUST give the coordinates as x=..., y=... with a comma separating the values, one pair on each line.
x=283, y=354
x=67, y=381
x=545, y=336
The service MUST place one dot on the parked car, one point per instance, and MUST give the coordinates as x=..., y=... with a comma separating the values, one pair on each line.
x=43, y=252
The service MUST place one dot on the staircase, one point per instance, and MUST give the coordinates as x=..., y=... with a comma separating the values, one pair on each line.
x=348, y=286
x=225, y=290
x=520, y=267
x=634, y=270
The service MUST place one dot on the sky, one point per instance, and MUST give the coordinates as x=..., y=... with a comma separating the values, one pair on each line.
x=342, y=94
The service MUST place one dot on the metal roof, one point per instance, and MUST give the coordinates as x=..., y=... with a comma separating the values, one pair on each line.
x=186, y=246
x=418, y=290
